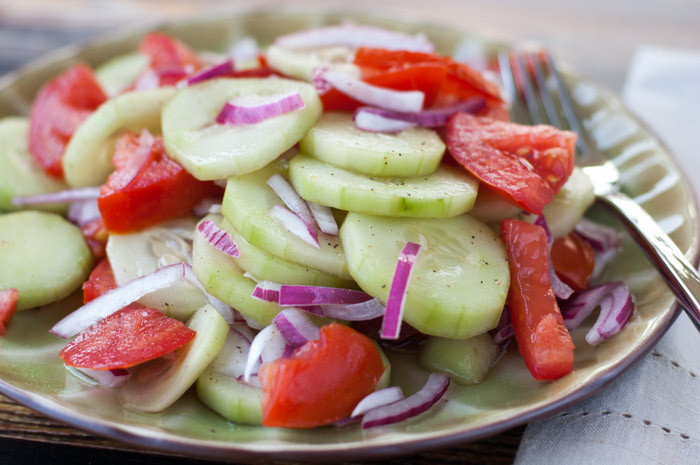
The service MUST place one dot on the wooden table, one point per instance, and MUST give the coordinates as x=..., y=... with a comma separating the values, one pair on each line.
x=597, y=37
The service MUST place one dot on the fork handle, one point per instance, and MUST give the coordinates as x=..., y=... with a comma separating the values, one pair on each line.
x=680, y=275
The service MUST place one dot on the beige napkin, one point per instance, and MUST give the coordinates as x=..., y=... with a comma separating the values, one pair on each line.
x=650, y=414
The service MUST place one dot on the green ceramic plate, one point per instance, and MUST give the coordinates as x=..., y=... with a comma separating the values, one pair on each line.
x=32, y=374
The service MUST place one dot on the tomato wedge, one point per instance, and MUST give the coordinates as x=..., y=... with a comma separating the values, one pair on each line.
x=323, y=380
x=526, y=165
x=8, y=305
x=59, y=108
x=100, y=281
x=126, y=338
x=573, y=259
x=148, y=186
x=96, y=235
x=171, y=60
x=543, y=340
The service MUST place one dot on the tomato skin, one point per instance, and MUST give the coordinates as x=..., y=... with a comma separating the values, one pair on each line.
x=96, y=236
x=59, y=108
x=527, y=165
x=8, y=305
x=573, y=259
x=544, y=342
x=166, y=52
x=100, y=281
x=131, y=336
x=322, y=382
x=160, y=190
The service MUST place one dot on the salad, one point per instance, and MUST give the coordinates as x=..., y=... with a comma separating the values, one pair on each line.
x=270, y=225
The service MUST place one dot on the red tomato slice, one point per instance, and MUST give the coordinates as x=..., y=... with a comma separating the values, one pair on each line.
x=322, y=382
x=96, y=235
x=100, y=281
x=59, y=108
x=543, y=340
x=126, y=338
x=8, y=305
x=157, y=190
x=171, y=60
x=527, y=165
x=573, y=260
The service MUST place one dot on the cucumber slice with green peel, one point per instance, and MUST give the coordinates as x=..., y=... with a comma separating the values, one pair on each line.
x=569, y=204
x=445, y=193
x=336, y=139
x=233, y=400
x=117, y=74
x=155, y=390
x=209, y=150
x=269, y=267
x=247, y=203
x=20, y=174
x=459, y=281
x=301, y=64
x=87, y=160
x=466, y=361
x=43, y=256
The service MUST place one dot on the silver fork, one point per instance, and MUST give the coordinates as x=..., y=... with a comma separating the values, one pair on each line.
x=535, y=104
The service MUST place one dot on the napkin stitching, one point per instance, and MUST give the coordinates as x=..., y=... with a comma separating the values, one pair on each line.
x=629, y=416
x=674, y=364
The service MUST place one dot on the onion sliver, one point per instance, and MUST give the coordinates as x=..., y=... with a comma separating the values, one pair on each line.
x=434, y=389
x=218, y=70
x=324, y=218
x=106, y=378
x=71, y=195
x=268, y=291
x=601, y=237
x=295, y=225
x=577, y=309
x=116, y=299
x=402, y=101
x=373, y=122
x=82, y=212
x=426, y=118
x=391, y=323
x=268, y=346
x=295, y=327
x=355, y=36
x=615, y=312
x=291, y=199
x=251, y=109
x=218, y=238
x=378, y=399
x=294, y=296
x=363, y=311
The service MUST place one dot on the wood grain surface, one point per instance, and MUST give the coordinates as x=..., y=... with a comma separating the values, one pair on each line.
x=597, y=37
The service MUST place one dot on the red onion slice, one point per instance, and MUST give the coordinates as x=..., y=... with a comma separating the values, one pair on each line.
x=268, y=291
x=214, y=71
x=268, y=346
x=373, y=122
x=618, y=310
x=293, y=296
x=355, y=36
x=295, y=327
x=378, y=399
x=81, y=212
x=402, y=101
x=434, y=389
x=391, y=323
x=427, y=118
x=107, y=378
x=116, y=299
x=367, y=310
x=291, y=199
x=615, y=312
x=324, y=218
x=600, y=237
x=71, y=195
x=218, y=238
x=504, y=330
x=295, y=225
x=253, y=109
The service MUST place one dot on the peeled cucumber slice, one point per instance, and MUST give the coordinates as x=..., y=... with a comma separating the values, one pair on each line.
x=209, y=150
x=232, y=399
x=445, y=193
x=385, y=379
x=490, y=208
x=20, y=174
x=154, y=390
x=247, y=203
x=268, y=267
x=301, y=64
x=87, y=160
x=43, y=256
x=120, y=72
x=569, y=204
x=460, y=279
x=336, y=139
x=467, y=361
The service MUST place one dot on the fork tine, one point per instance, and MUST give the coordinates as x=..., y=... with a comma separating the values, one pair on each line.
x=541, y=82
x=508, y=78
x=528, y=91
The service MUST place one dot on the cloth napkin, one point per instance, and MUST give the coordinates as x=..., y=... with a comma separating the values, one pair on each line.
x=650, y=414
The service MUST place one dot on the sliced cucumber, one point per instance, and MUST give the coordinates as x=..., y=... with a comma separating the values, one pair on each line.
x=467, y=361
x=223, y=279
x=43, y=256
x=20, y=174
x=569, y=204
x=137, y=254
x=233, y=400
x=87, y=160
x=443, y=194
x=214, y=151
x=121, y=71
x=337, y=140
x=301, y=64
x=155, y=391
x=460, y=280
x=247, y=203
x=385, y=380
x=268, y=267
